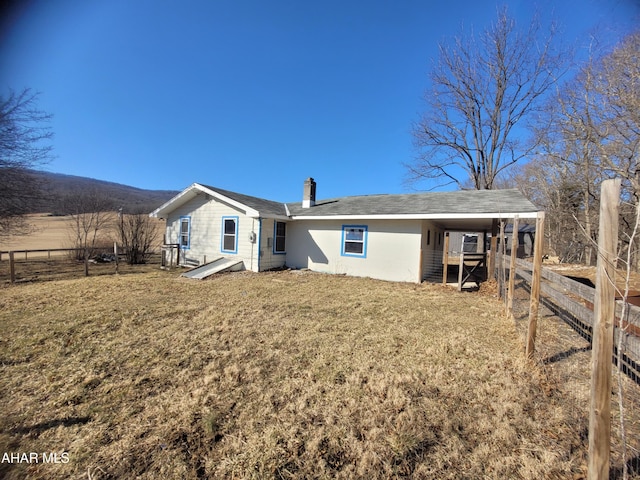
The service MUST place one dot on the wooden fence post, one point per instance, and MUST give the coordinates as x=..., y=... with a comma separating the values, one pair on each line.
x=512, y=266
x=445, y=266
x=534, y=302
x=12, y=268
x=115, y=254
x=602, y=343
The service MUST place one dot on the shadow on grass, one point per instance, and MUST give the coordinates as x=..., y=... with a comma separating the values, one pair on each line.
x=38, y=428
x=563, y=355
x=633, y=467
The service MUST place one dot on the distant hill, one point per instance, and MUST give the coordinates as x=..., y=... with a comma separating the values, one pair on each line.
x=58, y=187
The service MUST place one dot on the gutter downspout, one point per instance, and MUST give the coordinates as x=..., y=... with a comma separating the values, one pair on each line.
x=259, y=242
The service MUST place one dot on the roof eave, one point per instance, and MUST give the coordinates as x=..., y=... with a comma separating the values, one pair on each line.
x=174, y=202
x=188, y=194
x=420, y=216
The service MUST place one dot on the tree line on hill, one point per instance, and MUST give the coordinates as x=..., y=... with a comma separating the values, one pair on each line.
x=59, y=194
x=25, y=144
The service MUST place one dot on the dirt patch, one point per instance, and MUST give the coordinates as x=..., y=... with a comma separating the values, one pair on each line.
x=274, y=375
x=587, y=275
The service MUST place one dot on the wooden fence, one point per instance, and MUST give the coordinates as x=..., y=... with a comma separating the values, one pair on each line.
x=22, y=265
x=573, y=302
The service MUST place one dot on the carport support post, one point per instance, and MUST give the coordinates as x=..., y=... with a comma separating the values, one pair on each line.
x=535, y=286
x=501, y=273
x=602, y=345
x=512, y=266
x=493, y=247
x=445, y=265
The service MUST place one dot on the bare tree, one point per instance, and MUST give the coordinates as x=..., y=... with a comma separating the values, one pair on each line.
x=483, y=89
x=92, y=215
x=589, y=132
x=567, y=169
x=137, y=234
x=24, y=144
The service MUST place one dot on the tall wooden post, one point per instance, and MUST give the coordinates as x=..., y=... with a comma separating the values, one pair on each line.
x=12, y=267
x=602, y=344
x=501, y=273
x=445, y=265
x=493, y=248
x=534, y=302
x=115, y=254
x=461, y=269
x=512, y=266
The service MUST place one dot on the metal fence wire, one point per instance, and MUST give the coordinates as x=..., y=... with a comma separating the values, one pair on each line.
x=563, y=352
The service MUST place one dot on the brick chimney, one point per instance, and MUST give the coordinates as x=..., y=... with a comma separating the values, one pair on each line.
x=309, y=194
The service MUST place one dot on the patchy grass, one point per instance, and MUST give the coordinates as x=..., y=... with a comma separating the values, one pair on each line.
x=273, y=375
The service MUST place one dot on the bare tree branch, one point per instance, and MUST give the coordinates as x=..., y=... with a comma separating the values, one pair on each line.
x=482, y=91
x=24, y=143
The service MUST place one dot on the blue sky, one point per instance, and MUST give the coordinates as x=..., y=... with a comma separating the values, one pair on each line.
x=248, y=95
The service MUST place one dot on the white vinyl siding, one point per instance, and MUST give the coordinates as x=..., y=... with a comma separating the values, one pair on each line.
x=269, y=259
x=205, y=231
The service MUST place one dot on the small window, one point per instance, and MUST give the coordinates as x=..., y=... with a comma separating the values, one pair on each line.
x=185, y=232
x=428, y=237
x=230, y=234
x=354, y=240
x=279, y=235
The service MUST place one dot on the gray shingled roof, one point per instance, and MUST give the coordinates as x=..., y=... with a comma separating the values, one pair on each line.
x=432, y=203
x=265, y=207
x=457, y=204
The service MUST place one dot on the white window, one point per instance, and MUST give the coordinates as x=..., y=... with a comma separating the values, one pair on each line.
x=279, y=235
x=229, y=235
x=185, y=232
x=354, y=241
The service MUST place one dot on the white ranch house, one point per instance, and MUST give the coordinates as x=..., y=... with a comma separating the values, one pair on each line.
x=388, y=237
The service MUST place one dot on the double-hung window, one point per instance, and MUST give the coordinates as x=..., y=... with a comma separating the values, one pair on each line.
x=229, y=235
x=354, y=241
x=185, y=232
x=279, y=237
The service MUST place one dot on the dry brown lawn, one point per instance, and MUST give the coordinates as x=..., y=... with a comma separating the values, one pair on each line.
x=275, y=375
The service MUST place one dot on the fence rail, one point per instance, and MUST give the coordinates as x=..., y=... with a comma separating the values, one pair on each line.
x=573, y=302
x=41, y=250
x=564, y=349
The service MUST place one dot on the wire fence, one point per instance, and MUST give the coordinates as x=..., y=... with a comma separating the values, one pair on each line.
x=60, y=263
x=434, y=264
x=563, y=352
